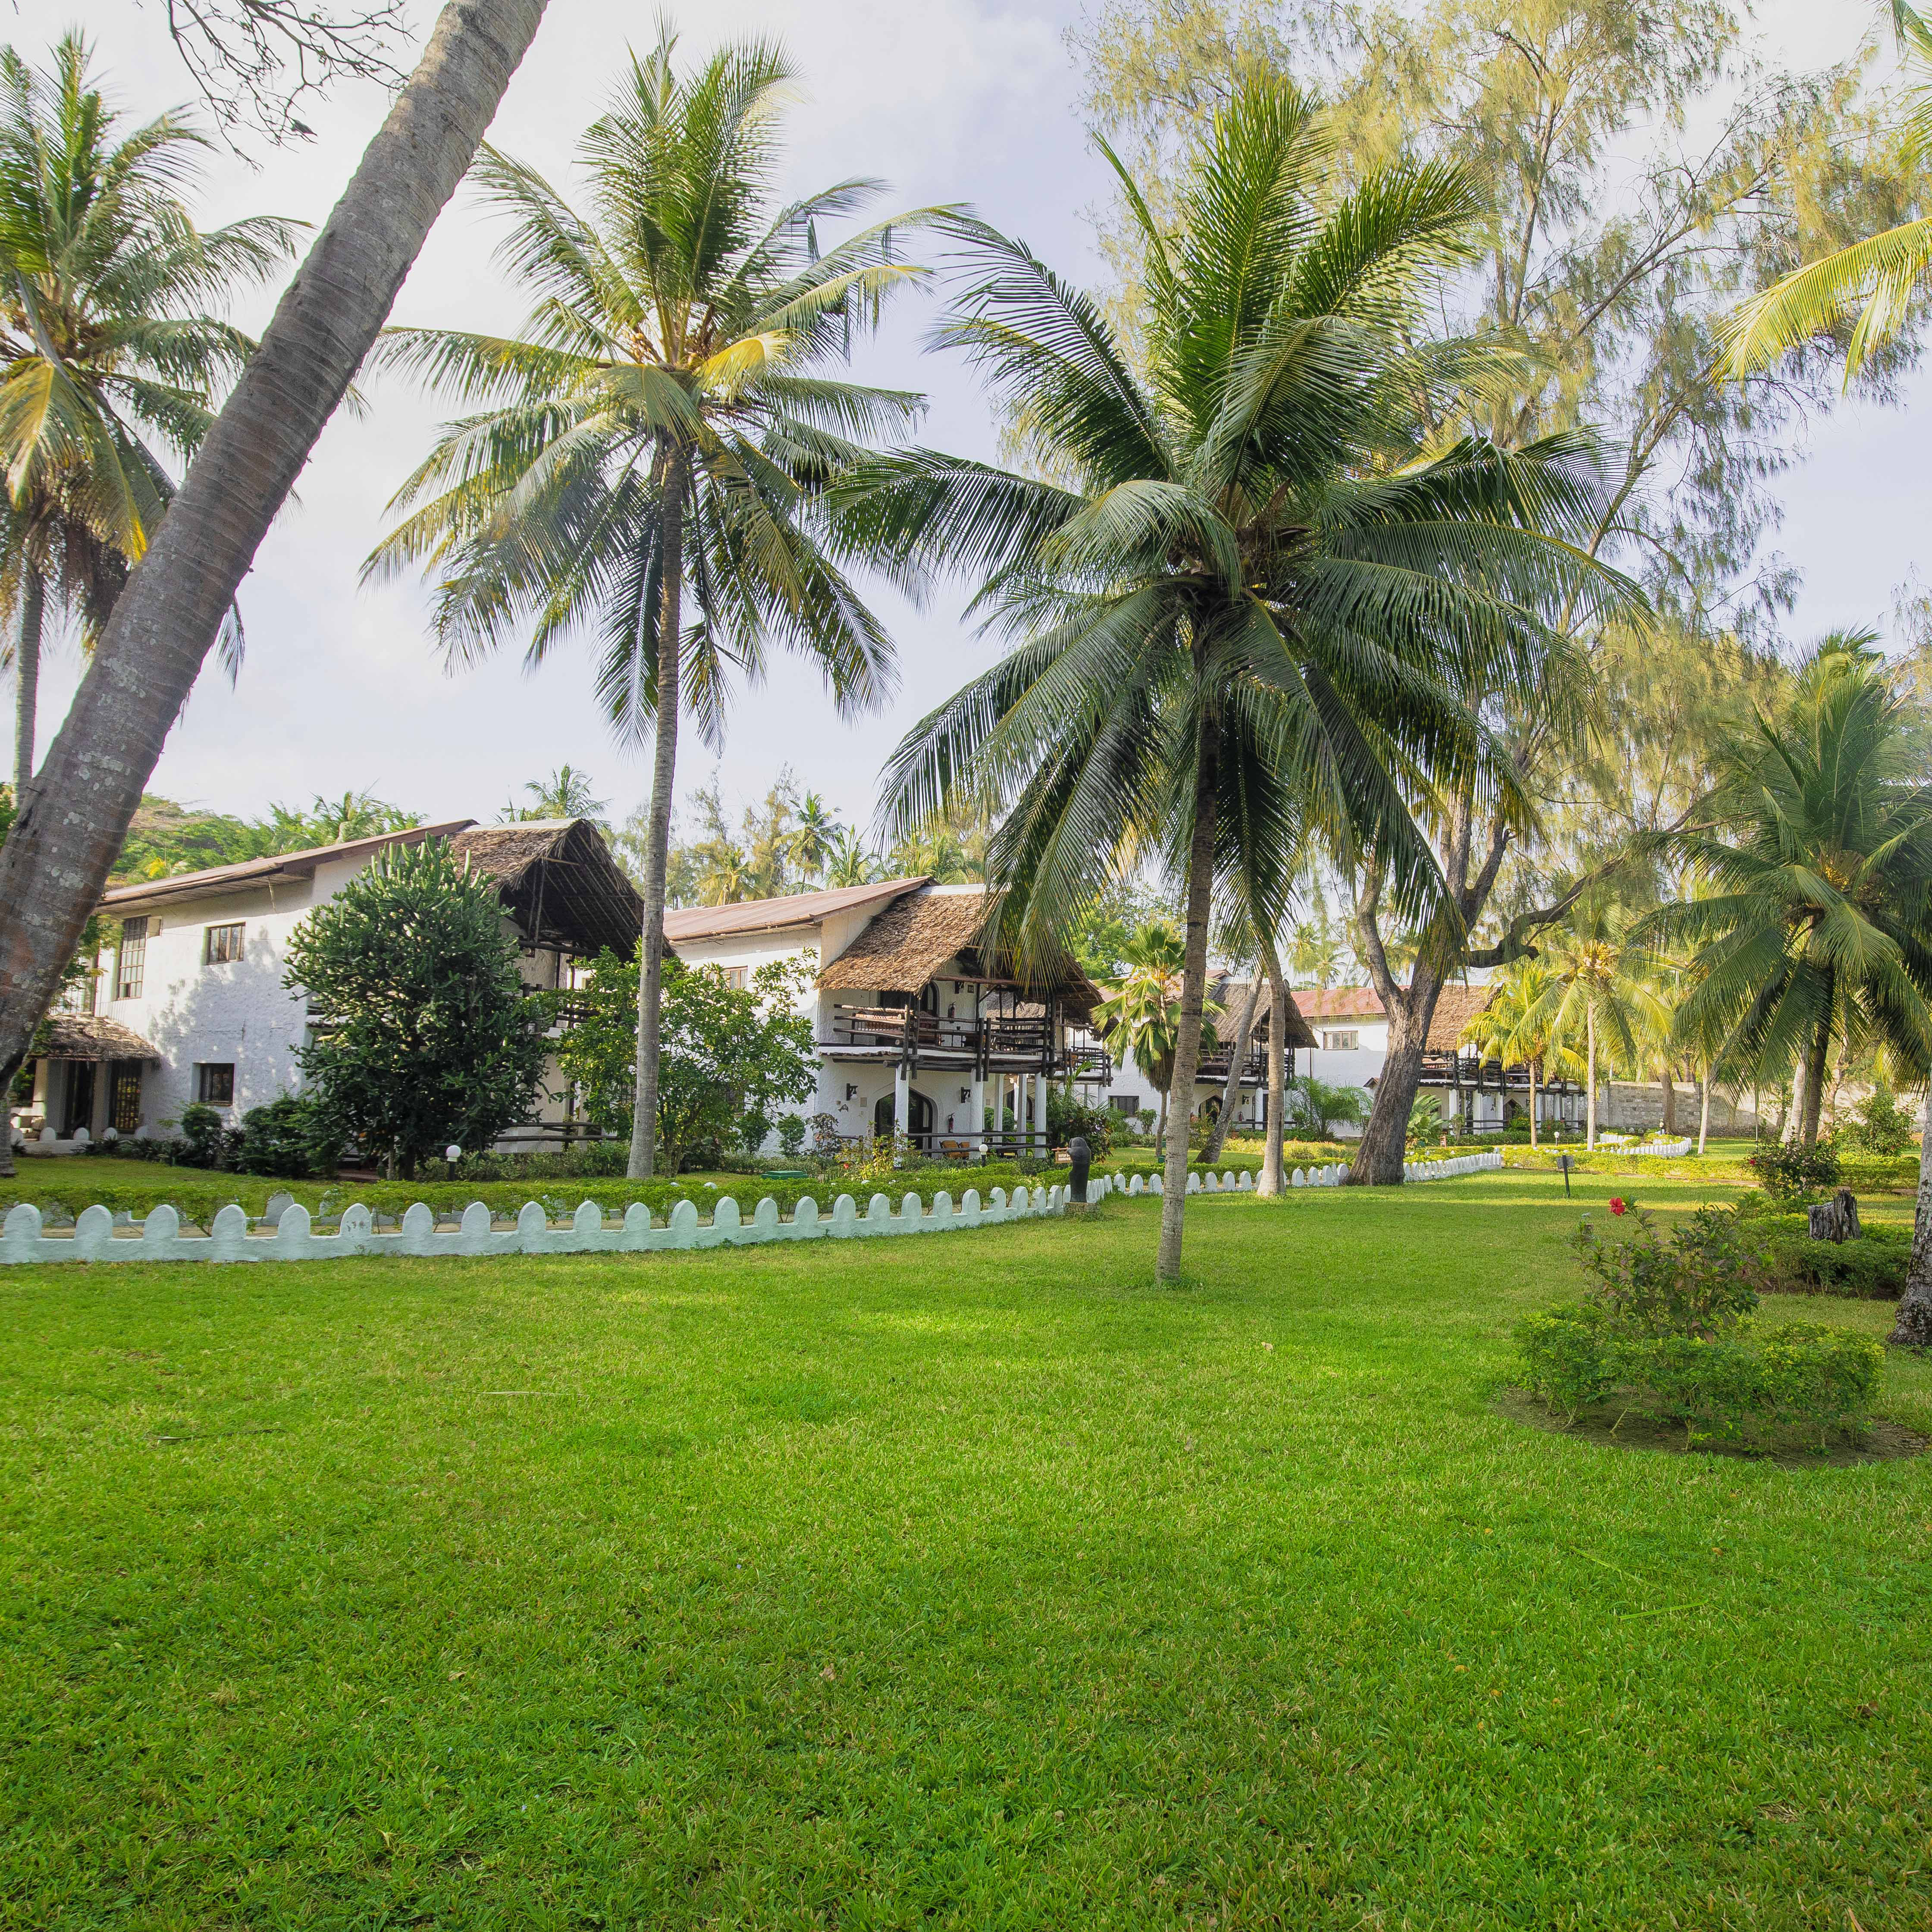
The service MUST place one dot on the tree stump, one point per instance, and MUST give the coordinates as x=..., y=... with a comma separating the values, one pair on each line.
x=1836, y=1219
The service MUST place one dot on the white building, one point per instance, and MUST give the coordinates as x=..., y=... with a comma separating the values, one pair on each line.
x=920, y=1031
x=188, y=1002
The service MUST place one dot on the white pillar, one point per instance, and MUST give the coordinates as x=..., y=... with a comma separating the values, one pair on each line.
x=1039, y=1114
x=901, y=1100
x=979, y=1118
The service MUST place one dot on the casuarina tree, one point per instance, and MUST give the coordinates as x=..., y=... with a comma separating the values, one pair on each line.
x=422, y=1034
x=72, y=825
x=645, y=459
x=1237, y=574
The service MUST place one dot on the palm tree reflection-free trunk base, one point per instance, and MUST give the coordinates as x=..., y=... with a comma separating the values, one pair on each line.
x=657, y=858
x=27, y=683
x=55, y=862
x=1193, y=996
x=1913, y=1327
x=1270, y=1183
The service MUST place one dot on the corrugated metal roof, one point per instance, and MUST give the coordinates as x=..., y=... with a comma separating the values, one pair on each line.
x=793, y=909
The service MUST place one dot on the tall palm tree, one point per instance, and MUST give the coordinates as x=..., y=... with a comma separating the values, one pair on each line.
x=848, y=863
x=815, y=830
x=1239, y=586
x=567, y=793
x=109, y=357
x=1599, y=998
x=1877, y=278
x=1813, y=934
x=663, y=418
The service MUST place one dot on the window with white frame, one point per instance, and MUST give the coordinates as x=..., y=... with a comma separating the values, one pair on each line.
x=1347, y=1041
x=221, y=945
x=130, y=963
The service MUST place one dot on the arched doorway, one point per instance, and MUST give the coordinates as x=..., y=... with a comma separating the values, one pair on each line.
x=919, y=1115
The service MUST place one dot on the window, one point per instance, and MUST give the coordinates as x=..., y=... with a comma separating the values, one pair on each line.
x=130, y=967
x=215, y=1080
x=125, y=1106
x=1342, y=1043
x=1124, y=1103
x=734, y=976
x=223, y=945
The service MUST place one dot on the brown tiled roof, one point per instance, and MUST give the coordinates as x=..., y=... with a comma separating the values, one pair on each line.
x=93, y=1036
x=1337, y=1003
x=558, y=882
x=1455, y=1008
x=768, y=915
x=214, y=881
x=906, y=944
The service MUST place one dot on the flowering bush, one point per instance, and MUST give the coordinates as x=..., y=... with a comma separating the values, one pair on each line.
x=1788, y=1172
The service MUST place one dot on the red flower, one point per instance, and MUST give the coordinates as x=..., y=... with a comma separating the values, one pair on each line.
x=1617, y=1204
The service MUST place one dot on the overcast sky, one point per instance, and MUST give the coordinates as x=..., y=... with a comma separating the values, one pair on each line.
x=947, y=100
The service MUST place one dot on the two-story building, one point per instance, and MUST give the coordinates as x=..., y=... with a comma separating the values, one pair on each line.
x=187, y=1002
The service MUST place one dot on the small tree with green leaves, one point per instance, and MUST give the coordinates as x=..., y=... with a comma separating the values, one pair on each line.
x=733, y=1058
x=423, y=1035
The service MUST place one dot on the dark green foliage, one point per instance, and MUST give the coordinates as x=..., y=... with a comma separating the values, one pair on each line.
x=424, y=1035
x=1788, y=1170
x=1882, y=1127
x=730, y=1056
x=1663, y=1332
x=791, y=1135
x=1067, y=1114
x=205, y=1138
x=286, y=1138
x=1871, y=1268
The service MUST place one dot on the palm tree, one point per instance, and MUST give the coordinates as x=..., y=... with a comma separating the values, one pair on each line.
x=1141, y=1012
x=1598, y=995
x=848, y=863
x=726, y=876
x=567, y=793
x=664, y=418
x=1513, y=1027
x=815, y=834
x=108, y=357
x=1238, y=587
x=1813, y=932
x=1878, y=277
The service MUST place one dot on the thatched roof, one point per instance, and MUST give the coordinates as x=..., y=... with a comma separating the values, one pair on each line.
x=1455, y=1008
x=1231, y=995
x=248, y=874
x=901, y=949
x=789, y=909
x=558, y=882
x=92, y=1037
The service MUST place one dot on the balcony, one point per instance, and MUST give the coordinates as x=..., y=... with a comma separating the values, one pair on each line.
x=997, y=1041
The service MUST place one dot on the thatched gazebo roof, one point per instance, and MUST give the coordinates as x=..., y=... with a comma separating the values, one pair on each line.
x=558, y=882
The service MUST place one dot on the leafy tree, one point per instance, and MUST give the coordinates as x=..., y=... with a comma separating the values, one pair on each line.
x=1517, y=1025
x=1323, y=1106
x=110, y=356
x=849, y=863
x=1813, y=933
x=663, y=419
x=734, y=1057
x=1878, y=276
x=176, y=605
x=1140, y=1012
x=423, y=1034
x=1236, y=605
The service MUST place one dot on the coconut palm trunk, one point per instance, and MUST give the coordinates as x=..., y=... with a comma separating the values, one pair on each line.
x=663, y=777
x=1913, y=1328
x=1193, y=996
x=1230, y=1088
x=55, y=862
x=27, y=681
x=1704, y=1111
x=1590, y=1048
x=1270, y=1181
x=1530, y=1065
x=1814, y=1078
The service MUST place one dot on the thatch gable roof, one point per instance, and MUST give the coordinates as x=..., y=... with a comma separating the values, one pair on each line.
x=906, y=944
x=558, y=882
x=1231, y=995
x=1456, y=1006
x=91, y=1036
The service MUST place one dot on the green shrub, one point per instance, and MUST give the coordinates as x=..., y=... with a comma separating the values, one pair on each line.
x=1871, y=1268
x=791, y=1135
x=285, y=1139
x=206, y=1139
x=1562, y=1353
x=1788, y=1172
x=1882, y=1126
x=1699, y=1283
x=1744, y=1387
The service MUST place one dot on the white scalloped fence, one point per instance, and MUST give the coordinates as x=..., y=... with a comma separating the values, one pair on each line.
x=1487, y=1162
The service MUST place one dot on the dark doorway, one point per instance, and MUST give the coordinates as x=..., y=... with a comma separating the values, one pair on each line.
x=919, y=1115
x=80, y=1097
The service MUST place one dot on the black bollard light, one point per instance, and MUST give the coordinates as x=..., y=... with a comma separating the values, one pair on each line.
x=1082, y=1157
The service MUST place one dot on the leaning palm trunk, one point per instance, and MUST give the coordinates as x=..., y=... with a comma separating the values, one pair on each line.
x=27, y=682
x=642, y=1163
x=1193, y=996
x=1590, y=1038
x=1704, y=1111
x=1913, y=1328
x=1531, y=1064
x=1230, y=1088
x=55, y=862
x=1270, y=1181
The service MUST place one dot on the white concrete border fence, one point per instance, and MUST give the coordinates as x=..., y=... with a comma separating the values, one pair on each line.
x=1487, y=1162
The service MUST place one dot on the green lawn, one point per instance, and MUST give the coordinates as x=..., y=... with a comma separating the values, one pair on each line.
x=969, y=1582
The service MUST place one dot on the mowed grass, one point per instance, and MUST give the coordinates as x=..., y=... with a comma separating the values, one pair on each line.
x=967, y=1581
